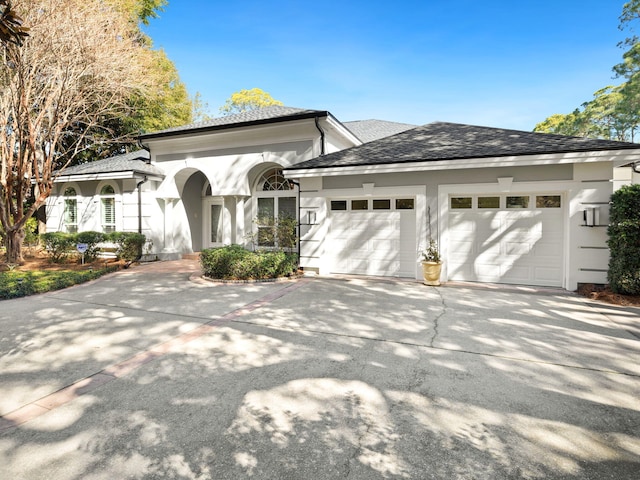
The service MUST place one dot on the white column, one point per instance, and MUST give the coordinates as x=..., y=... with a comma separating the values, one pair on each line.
x=168, y=225
x=239, y=233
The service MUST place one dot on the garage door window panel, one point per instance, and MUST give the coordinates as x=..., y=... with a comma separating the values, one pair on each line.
x=338, y=205
x=548, y=201
x=518, y=201
x=458, y=203
x=359, y=204
x=488, y=202
x=382, y=204
x=405, y=203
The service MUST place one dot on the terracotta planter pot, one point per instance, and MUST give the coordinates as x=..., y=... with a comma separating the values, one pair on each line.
x=431, y=273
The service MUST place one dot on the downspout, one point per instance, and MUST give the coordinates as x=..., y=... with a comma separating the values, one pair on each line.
x=321, y=138
x=138, y=185
x=297, y=184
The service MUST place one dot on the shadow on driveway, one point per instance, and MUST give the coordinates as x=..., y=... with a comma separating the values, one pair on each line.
x=322, y=378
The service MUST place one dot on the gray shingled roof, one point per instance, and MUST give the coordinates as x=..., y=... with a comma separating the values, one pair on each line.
x=127, y=162
x=259, y=115
x=452, y=141
x=369, y=130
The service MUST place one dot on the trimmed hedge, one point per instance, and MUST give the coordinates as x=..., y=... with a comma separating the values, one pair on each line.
x=59, y=246
x=233, y=262
x=20, y=284
x=624, y=241
x=129, y=245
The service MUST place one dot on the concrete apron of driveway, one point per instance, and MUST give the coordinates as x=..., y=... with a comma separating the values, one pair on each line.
x=147, y=374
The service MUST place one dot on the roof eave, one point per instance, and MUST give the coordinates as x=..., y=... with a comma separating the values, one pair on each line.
x=83, y=177
x=619, y=157
x=250, y=123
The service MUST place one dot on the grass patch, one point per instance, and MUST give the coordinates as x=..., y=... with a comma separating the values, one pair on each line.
x=14, y=284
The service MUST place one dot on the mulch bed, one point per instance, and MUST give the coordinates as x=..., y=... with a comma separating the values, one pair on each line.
x=604, y=294
x=37, y=260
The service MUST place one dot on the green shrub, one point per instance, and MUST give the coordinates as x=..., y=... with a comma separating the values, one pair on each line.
x=20, y=284
x=92, y=239
x=624, y=241
x=58, y=245
x=233, y=262
x=129, y=245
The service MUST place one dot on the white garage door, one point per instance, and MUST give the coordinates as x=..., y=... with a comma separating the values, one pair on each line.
x=516, y=239
x=372, y=237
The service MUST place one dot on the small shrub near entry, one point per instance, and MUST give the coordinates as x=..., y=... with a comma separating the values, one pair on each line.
x=624, y=241
x=233, y=262
x=58, y=245
x=129, y=245
x=92, y=239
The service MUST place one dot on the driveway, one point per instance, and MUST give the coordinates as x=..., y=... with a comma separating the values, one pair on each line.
x=151, y=373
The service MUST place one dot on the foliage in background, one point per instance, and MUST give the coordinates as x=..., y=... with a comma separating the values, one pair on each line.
x=280, y=233
x=247, y=100
x=12, y=29
x=82, y=86
x=614, y=111
x=624, y=241
x=234, y=262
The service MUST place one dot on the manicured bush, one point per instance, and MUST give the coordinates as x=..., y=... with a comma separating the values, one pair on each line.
x=233, y=262
x=129, y=245
x=16, y=284
x=92, y=239
x=624, y=241
x=58, y=245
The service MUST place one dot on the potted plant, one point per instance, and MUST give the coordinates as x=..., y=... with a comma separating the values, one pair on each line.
x=431, y=264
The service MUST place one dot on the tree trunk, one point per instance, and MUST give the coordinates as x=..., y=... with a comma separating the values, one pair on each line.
x=41, y=215
x=13, y=242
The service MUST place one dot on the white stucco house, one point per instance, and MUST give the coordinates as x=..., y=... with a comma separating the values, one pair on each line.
x=505, y=206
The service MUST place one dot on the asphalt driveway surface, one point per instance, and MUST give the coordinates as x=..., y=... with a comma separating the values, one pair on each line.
x=149, y=374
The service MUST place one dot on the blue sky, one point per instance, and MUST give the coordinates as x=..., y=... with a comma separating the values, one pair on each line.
x=504, y=64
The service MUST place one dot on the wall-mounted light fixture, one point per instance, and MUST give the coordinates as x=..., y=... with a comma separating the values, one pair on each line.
x=311, y=217
x=591, y=216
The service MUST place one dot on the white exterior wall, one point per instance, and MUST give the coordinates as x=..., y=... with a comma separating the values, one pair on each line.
x=126, y=202
x=231, y=161
x=581, y=185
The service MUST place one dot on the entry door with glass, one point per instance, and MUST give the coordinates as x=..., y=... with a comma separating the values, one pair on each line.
x=213, y=211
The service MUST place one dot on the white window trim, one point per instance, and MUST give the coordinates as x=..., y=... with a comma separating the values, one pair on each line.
x=207, y=202
x=117, y=205
x=77, y=198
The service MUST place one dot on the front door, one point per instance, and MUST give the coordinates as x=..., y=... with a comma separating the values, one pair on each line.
x=213, y=216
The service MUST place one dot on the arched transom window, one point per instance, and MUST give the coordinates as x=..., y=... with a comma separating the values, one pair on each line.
x=273, y=180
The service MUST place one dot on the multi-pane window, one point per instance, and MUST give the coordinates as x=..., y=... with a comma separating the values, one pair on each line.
x=108, y=208
x=70, y=215
x=506, y=201
x=277, y=210
x=372, y=204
